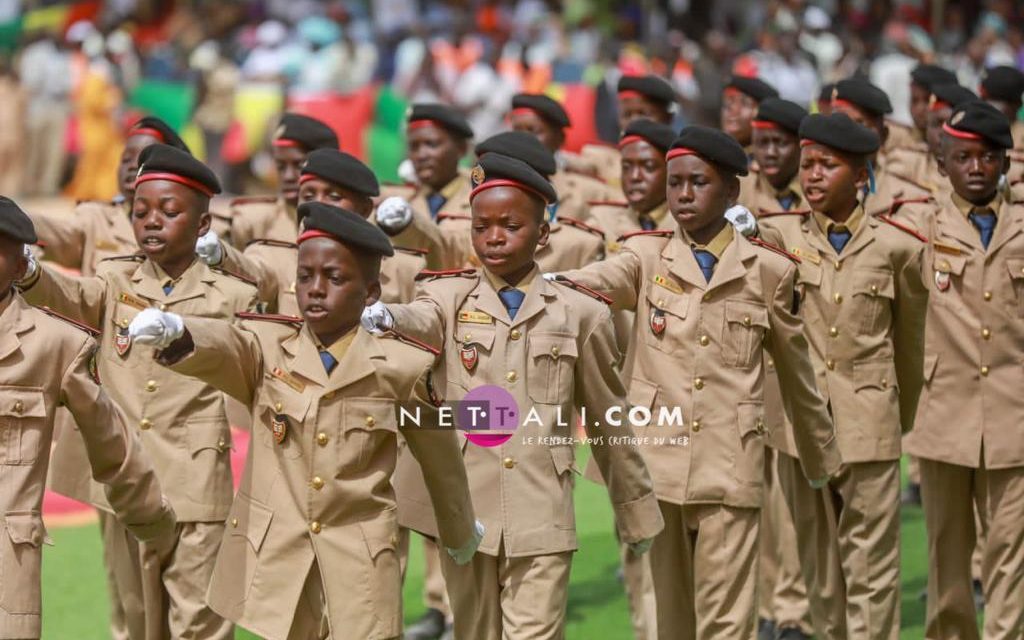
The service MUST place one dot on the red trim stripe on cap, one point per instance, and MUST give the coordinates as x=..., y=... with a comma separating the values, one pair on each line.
x=173, y=177
x=681, y=151
x=422, y=124
x=286, y=142
x=732, y=91
x=148, y=131
x=503, y=182
x=306, y=177
x=939, y=104
x=764, y=124
x=628, y=140
x=629, y=93
x=806, y=142
x=526, y=111
x=313, y=233
x=957, y=133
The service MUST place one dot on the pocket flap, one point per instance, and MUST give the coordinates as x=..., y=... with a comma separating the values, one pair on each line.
x=749, y=314
x=369, y=413
x=212, y=433
x=552, y=345
x=949, y=264
x=931, y=359
x=564, y=458
x=750, y=418
x=280, y=401
x=249, y=519
x=1016, y=267
x=26, y=528
x=808, y=273
x=880, y=374
x=668, y=301
x=479, y=334
x=642, y=393
x=380, y=534
x=22, y=402
x=873, y=283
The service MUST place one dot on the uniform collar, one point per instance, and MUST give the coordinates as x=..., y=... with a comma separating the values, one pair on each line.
x=657, y=214
x=457, y=183
x=718, y=244
x=499, y=283
x=13, y=321
x=150, y=279
x=852, y=223
x=792, y=188
x=965, y=207
x=339, y=347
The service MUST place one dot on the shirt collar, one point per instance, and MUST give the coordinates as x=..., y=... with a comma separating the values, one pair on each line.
x=718, y=244
x=452, y=188
x=499, y=283
x=851, y=224
x=657, y=214
x=339, y=347
x=966, y=208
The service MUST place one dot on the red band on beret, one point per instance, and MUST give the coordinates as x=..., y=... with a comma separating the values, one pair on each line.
x=173, y=177
x=806, y=142
x=628, y=140
x=764, y=124
x=526, y=111
x=502, y=182
x=629, y=93
x=148, y=131
x=939, y=104
x=983, y=92
x=681, y=151
x=840, y=102
x=732, y=91
x=956, y=133
x=306, y=177
x=422, y=124
x=313, y=233
x=286, y=142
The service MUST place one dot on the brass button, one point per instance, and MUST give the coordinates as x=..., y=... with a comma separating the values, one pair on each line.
x=696, y=426
x=317, y=483
x=769, y=362
x=838, y=298
x=555, y=351
x=704, y=340
x=874, y=289
x=151, y=385
x=831, y=364
x=19, y=406
x=322, y=439
x=314, y=526
x=746, y=321
x=984, y=371
x=987, y=295
x=369, y=421
x=394, y=540
x=759, y=427
x=511, y=376
x=222, y=445
x=838, y=265
x=698, y=383
x=468, y=337
x=234, y=522
x=661, y=302
x=145, y=424
x=328, y=395
x=986, y=334
x=508, y=463
x=163, y=307
x=945, y=267
x=278, y=406
x=833, y=331
x=707, y=297
x=515, y=334
x=885, y=382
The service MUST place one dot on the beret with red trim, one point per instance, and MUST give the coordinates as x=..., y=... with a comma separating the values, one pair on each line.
x=548, y=109
x=654, y=87
x=342, y=169
x=776, y=111
x=347, y=227
x=837, y=131
x=660, y=136
x=495, y=169
x=929, y=75
x=978, y=119
x=156, y=128
x=1003, y=83
x=308, y=133
x=521, y=145
x=864, y=95
x=952, y=94
x=164, y=162
x=754, y=87
x=712, y=145
x=15, y=223
x=448, y=118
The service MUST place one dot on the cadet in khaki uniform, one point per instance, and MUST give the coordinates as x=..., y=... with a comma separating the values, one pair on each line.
x=968, y=432
x=708, y=305
x=181, y=421
x=550, y=347
x=316, y=557
x=1002, y=88
x=740, y=100
x=273, y=218
x=46, y=363
x=773, y=189
x=863, y=305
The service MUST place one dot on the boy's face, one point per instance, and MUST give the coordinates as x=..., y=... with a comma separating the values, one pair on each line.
x=973, y=167
x=777, y=152
x=12, y=264
x=288, y=161
x=698, y=193
x=738, y=111
x=634, y=107
x=435, y=155
x=167, y=219
x=332, y=287
x=643, y=175
x=529, y=122
x=128, y=167
x=830, y=180
x=919, y=97
x=936, y=118
x=508, y=226
x=320, y=190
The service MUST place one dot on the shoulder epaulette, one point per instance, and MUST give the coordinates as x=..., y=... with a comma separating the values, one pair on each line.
x=572, y=284
x=227, y=217
x=658, y=233
x=446, y=273
x=94, y=201
x=272, y=243
x=607, y=203
x=404, y=185
x=252, y=199
x=902, y=227
x=133, y=257
x=579, y=224
x=899, y=202
x=235, y=275
x=401, y=337
x=774, y=249
x=761, y=213
x=75, y=323
x=411, y=251
x=269, y=317
x=453, y=216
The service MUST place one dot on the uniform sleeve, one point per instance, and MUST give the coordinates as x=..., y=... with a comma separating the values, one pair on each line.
x=115, y=453
x=910, y=308
x=82, y=299
x=253, y=267
x=242, y=229
x=812, y=427
x=63, y=238
x=423, y=233
x=220, y=354
x=617, y=277
x=597, y=388
x=423, y=319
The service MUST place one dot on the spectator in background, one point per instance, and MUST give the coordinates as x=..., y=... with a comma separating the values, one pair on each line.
x=904, y=48
x=336, y=61
x=820, y=43
x=268, y=59
x=45, y=70
x=12, y=136
x=783, y=65
x=218, y=82
x=483, y=94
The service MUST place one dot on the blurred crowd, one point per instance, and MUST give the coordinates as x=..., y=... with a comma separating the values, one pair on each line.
x=71, y=86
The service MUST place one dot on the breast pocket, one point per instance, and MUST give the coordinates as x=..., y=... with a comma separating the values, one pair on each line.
x=749, y=467
x=743, y=332
x=552, y=357
x=664, y=318
x=209, y=471
x=1016, y=268
x=873, y=292
x=22, y=424
x=367, y=435
x=281, y=413
x=244, y=533
x=120, y=342
x=20, y=554
x=474, y=344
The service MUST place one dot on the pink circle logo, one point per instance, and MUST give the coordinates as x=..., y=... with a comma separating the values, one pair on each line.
x=488, y=415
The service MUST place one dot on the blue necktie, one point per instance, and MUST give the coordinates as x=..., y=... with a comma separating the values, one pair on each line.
x=838, y=237
x=552, y=211
x=646, y=223
x=169, y=287
x=707, y=261
x=985, y=221
x=512, y=299
x=435, y=201
x=328, y=361
x=787, y=201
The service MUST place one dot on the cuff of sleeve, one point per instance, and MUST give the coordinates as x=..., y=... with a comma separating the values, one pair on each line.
x=825, y=464
x=159, y=528
x=639, y=519
x=456, y=531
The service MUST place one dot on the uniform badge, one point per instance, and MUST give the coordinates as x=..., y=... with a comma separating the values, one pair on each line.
x=657, y=322
x=942, y=280
x=475, y=317
x=122, y=341
x=469, y=356
x=477, y=175
x=279, y=428
x=957, y=117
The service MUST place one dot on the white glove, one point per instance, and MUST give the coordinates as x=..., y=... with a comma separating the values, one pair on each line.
x=742, y=219
x=33, y=266
x=550, y=277
x=407, y=172
x=394, y=215
x=640, y=548
x=377, y=319
x=156, y=328
x=208, y=248
x=465, y=553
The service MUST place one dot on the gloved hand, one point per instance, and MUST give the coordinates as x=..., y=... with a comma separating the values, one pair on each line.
x=550, y=277
x=208, y=248
x=742, y=219
x=407, y=172
x=156, y=328
x=377, y=319
x=465, y=553
x=394, y=215
x=640, y=548
x=33, y=265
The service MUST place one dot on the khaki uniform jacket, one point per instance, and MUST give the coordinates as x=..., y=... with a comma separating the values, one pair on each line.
x=707, y=363
x=181, y=421
x=617, y=219
x=759, y=197
x=576, y=191
x=891, y=192
x=920, y=168
x=94, y=232
x=261, y=218
x=448, y=246
x=607, y=160
x=323, y=493
x=902, y=136
x=46, y=363
x=864, y=312
x=556, y=356
x=971, y=411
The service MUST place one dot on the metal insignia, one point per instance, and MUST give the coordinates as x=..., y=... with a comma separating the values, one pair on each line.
x=477, y=175
x=122, y=341
x=279, y=131
x=657, y=322
x=942, y=281
x=279, y=428
x=957, y=117
x=469, y=356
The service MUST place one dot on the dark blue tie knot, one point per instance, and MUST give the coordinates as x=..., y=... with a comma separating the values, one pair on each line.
x=787, y=201
x=328, y=361
x=646, y=223
x=435, y=201
x=984, y=220
x=838, y=236
x=169, y=287
x=512, y=299
x=707, y=261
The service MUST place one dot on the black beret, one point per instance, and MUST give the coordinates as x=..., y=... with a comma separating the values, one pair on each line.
x=839, y=132
x=448, y=118
x=864, y=95
x=347, y=227
x=825, y=95
x=754, y=87
x=342, y=169
x=928, y=75
x=776, y=111
x=951, y=94
x=163, y=162
x=661, y=136
x=977, y=119
x=157, y=128
x=547, y=108
x=523, y=146
x=308, y=133
x=495, y=169
x=712, y=145
x=15, y=223
x=1003, y=83
x=654, y=87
